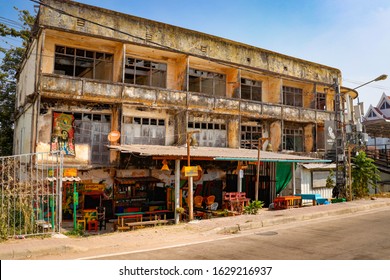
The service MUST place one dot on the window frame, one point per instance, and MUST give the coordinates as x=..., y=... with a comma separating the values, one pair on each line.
x=76, y=56
x=136, y=65
x=251, y=85
x=292, y=96
x=202, y=77
x=292, y=134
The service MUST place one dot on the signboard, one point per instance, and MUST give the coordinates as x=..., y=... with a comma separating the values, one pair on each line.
x=330, y=136
x=94, y=187
x=70, y=172
x=191, y=171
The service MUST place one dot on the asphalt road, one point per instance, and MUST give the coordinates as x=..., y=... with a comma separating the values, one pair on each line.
x=359, y=236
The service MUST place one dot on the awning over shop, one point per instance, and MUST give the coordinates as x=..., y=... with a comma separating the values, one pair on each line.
x=211, y=153
x=319, y=166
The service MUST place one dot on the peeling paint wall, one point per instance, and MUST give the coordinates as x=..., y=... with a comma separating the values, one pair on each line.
x=308, y=137
x=276, y=135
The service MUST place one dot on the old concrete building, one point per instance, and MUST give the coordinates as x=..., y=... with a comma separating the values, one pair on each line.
x=89, y=71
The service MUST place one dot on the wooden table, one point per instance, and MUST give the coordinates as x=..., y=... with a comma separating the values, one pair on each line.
x=285, y=202
x=310, y=196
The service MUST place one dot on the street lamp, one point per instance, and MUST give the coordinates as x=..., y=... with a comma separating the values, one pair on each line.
x=190, y=178
x=260, y=144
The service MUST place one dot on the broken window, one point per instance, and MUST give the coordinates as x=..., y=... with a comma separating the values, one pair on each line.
x=250, y=135
x=145, y=72
x=321, y=101
x=293, y=139
x=93, y=129
x=210, y=134
x=292, y=96
x=250, y=89
x=207, y=82
x=147, y=131
x=83, y=63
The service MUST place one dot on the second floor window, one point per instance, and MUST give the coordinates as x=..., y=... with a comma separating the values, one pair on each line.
x=207, y=82
x=321, y=101
x=145, y=72
x=83, y=63
x=250, y=89
x=292, y=96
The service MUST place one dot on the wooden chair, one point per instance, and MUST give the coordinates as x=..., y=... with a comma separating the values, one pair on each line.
x=210, y=200
x=198, y=201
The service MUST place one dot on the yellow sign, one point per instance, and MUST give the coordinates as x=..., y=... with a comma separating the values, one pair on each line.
x=94, y=187
x=191, y=171
x=70, y=172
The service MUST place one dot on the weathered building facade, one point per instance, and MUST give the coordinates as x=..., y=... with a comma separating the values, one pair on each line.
x=89, y=71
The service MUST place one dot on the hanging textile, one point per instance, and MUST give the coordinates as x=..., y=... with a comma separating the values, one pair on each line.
x=283, y=175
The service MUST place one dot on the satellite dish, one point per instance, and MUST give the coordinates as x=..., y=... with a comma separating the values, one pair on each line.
x=114, y=136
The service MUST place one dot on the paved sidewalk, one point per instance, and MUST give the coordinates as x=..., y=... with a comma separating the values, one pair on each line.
x=60, y=246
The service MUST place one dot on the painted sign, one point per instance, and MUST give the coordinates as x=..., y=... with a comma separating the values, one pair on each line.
x=70, y=172
x=62, y=138
x=94, y=187
x=191, y=171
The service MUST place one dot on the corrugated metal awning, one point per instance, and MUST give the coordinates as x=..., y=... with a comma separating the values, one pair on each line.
x=211, y=153
x=318, y=166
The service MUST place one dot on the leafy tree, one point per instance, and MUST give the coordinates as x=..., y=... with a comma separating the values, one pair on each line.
x=9, y=67
x=364, y=173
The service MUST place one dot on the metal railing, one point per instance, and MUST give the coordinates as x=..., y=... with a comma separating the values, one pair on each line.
x=30, y=194
x=379, y=153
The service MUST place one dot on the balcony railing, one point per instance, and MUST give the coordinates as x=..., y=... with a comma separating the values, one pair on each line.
x=54, y=86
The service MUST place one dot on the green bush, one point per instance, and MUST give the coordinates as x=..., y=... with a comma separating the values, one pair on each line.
x=253, y=207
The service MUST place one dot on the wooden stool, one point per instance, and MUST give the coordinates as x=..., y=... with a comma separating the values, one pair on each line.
x=93, y=225
x=81, y=222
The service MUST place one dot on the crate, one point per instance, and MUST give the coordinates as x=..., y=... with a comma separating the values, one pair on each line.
x=337, y=200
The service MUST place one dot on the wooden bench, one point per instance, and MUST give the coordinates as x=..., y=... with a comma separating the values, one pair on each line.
x=120, y=223
x=235, y=201
x=313, y=197
x=132, y=225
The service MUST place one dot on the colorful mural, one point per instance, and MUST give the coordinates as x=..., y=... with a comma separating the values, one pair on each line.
x=63, y=133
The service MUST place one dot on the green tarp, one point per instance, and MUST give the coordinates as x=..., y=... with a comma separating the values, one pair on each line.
x=283, y=175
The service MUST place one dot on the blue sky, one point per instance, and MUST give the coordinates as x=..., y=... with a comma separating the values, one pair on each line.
x=351, y=35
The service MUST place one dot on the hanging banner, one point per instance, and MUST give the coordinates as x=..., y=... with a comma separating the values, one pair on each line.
x=63, y=133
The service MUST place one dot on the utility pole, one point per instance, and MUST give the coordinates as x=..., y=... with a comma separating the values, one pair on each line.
x=340, y=139
x=260, y=144
x=190, y=178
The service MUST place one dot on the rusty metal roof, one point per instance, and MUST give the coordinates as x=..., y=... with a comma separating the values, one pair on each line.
x=211, y=153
